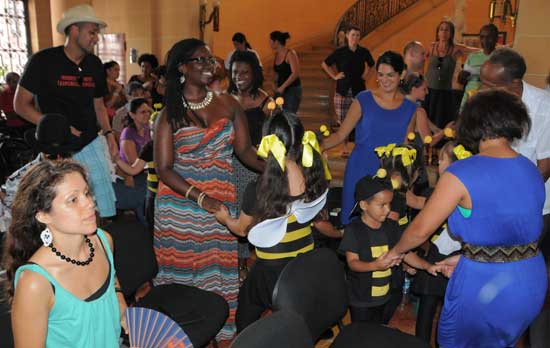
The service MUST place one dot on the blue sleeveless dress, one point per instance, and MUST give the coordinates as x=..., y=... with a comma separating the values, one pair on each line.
x=377, y=127
x=491, y=304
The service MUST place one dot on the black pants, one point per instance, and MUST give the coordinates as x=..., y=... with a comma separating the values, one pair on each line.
x=367, y=314
x=201, y=314
x=426, y=312
x=396, y=296
x=255, y=295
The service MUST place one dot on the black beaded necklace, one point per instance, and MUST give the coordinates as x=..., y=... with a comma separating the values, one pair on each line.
x=75, y=262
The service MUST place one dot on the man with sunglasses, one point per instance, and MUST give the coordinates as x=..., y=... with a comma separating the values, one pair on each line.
x=70, y=80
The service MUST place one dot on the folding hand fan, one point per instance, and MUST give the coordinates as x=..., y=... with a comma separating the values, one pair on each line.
x=151, y=329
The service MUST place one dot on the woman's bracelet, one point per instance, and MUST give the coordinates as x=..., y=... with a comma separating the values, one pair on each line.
x=201, y=198
x=189, y=191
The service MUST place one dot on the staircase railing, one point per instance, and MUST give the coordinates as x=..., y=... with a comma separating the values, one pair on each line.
x=369, y=14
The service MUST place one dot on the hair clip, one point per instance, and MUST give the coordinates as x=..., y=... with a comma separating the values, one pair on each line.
x=324, y=130
x=460, y=152
x=428, y=139
x=272, y=143
x=411, y=136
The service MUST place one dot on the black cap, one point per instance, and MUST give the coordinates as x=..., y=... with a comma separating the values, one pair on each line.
x=367, y=187
x=52, y=136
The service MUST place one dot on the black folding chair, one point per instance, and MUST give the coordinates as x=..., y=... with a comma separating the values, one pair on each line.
x=280, y=329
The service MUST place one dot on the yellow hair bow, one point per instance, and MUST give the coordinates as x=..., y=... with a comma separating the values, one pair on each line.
x=461, y=153
x=272, y=143
x=384, y=150
x=309, y=140
x=408, y=156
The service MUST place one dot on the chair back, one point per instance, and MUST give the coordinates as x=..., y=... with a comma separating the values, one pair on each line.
x=313, y=285
x=135, y=260
x=280, y=329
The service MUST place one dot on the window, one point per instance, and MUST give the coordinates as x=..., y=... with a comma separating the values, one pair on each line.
x=14, y=44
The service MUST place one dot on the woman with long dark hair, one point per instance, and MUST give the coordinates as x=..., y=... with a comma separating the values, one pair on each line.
x=241, y=44
x=380, y=117
x=60, y=272
x=291, y=190
x=246, y=86
x=287, y=71
x=442, y=57
x=195, y=137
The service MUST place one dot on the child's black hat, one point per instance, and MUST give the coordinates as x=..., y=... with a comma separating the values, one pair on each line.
x=368, y=186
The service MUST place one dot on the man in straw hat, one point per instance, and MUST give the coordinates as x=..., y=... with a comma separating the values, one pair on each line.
x=70, y=80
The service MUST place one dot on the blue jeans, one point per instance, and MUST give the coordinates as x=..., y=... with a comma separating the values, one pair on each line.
x=132, y=198
x=292, y=97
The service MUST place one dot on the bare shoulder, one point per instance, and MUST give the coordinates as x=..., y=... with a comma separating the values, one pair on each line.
x=32, y=284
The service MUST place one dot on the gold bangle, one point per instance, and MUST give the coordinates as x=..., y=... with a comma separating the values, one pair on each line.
x=189, y=191
x=200, y=199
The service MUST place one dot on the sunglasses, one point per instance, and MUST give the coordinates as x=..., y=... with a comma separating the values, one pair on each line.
x=202, y=60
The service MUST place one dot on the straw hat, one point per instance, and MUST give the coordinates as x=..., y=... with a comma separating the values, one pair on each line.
x=79, y=14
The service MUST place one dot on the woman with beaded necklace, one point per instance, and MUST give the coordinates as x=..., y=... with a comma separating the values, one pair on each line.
x=196, y=135
x=61, y=277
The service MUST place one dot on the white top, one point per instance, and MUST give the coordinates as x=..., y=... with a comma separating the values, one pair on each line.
x=536, y=146
x=271, y=231
x=228, y=60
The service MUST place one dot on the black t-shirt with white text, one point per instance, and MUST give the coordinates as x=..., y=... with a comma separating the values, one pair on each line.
x=61, y=86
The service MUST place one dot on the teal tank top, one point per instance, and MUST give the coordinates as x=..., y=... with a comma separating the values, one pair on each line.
x=75, y=323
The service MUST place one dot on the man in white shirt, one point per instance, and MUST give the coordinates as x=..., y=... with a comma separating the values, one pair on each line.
x=505, y=69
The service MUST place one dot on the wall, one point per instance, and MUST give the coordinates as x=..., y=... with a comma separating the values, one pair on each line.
x=303, y=19
x=533, y=39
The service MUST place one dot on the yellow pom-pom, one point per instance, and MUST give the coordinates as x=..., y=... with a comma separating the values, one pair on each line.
x=326, y=133
x=381, y=173
x=427, y=139
x=395, y=184
x=157, y=106
x=323, y=128
x=271, y=105
x=279, y=101
x=449, y=132
x=411, y=136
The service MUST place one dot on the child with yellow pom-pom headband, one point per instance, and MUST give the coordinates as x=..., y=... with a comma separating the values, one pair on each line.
x=279, y=206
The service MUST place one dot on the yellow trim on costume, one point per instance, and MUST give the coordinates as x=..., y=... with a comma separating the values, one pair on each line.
x=381, y=274
x=378, y=291
x=378, y=250
x=295, y=235
x=403, y=220
x=434, y=238
x=275, y=256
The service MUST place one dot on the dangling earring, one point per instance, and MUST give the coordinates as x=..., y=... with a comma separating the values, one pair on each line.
x=182, y=79
x=46, y=237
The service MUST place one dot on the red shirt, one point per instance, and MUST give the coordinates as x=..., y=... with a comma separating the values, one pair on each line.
x=6, y=104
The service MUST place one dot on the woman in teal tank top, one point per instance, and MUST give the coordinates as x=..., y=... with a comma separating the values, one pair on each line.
x=60, y=269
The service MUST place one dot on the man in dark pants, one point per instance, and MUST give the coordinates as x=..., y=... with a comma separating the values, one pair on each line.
x=346, y=65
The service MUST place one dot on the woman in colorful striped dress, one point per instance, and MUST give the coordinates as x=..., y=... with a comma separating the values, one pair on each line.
x=195, y=137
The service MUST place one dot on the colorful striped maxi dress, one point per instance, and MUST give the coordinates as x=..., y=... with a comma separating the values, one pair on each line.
x=191, y=247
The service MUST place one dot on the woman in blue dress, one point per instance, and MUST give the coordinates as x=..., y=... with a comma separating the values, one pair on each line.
x=380, y=117
x=493, y=202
